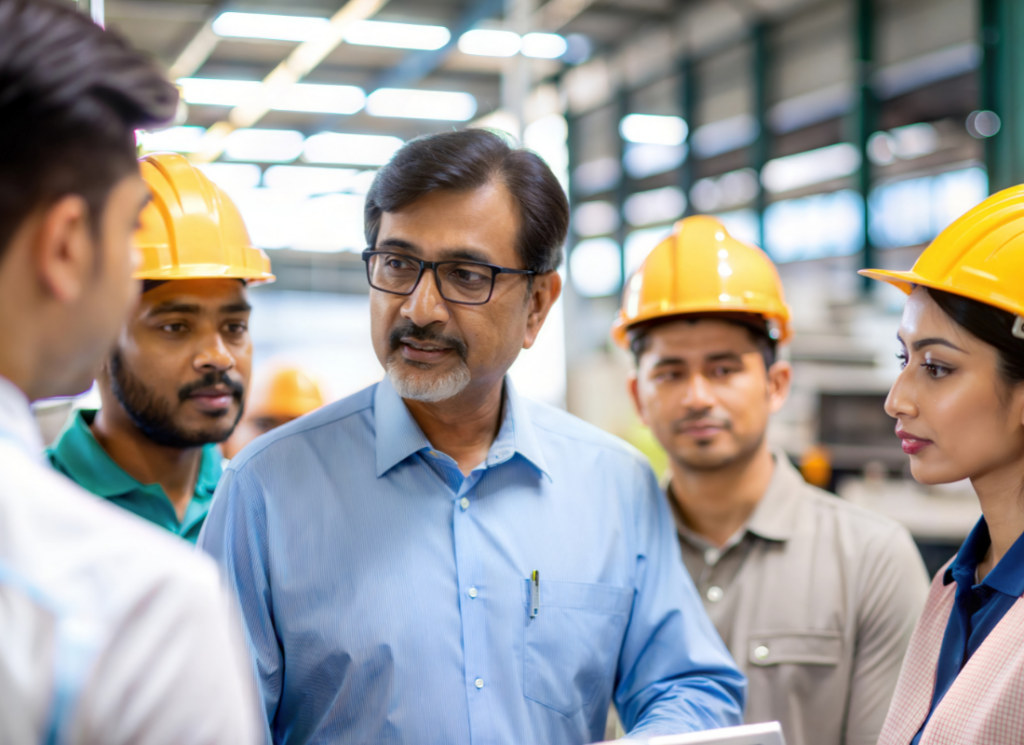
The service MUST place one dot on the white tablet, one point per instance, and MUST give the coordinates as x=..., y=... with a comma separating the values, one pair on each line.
x=769, y=733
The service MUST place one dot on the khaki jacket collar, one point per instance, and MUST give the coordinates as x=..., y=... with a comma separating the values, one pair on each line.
x=775, y=514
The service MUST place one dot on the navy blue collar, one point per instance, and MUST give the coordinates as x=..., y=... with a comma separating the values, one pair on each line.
x=399, y=436
x=1008, y=575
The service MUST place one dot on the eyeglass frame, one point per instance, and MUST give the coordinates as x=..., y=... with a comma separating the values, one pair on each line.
x=432, y=265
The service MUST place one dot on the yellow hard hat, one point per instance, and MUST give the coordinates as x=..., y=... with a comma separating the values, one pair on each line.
x=700, y=268
x=191, y=229
x=286, y=392
x=979, y=256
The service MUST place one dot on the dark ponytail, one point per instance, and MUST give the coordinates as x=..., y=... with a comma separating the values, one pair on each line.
x=992, y=325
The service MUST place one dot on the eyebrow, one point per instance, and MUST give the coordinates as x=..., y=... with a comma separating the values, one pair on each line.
x=451, y=254
x=172, y=306
x=931, y=341
x=716, y=357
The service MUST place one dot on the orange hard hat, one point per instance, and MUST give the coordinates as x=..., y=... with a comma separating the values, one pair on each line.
x=700, y=268
x=979, y=256
x=286, y=392
x=191, y=229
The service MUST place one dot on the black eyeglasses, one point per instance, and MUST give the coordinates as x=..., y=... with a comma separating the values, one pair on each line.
x=465, y=282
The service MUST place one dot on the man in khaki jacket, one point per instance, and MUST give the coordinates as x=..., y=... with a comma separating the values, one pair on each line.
x=815, y=598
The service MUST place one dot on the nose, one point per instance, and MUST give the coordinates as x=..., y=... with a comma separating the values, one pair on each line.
x=697, y=394
x=425, y=305
x=213, y=355
x=900, y=401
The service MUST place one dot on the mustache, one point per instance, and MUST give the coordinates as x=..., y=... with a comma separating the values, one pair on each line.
x=410, y=330
x=209, y=380
x=700, y=415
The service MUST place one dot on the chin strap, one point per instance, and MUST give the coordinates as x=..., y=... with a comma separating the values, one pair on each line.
x=1018, y=327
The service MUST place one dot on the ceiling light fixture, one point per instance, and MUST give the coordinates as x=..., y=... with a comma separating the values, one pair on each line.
x=419, y=104
x=544, y=46
x=651, y=129
x=267, y=26
x=397, y=35
x=264, y=145
x=490, y=43
x=309, y=97
x=350, y=149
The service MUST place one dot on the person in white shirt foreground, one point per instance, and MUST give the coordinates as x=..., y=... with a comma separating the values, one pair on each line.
x=112, y=632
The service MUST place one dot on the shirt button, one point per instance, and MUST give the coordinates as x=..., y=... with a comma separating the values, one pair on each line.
x=479, y=683
x=761, y=652
x=711, y=556
x=464, y=503
x=715, y=594
x=472, y=592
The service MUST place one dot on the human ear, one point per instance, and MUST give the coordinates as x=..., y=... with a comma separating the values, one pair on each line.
x=64, y=250
x=780, y=378
x=633, y=387
x=545, y=291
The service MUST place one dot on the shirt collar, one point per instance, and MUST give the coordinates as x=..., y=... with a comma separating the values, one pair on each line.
x=775, y=514
x=399, y=436
x=88, y=464
x=16, y=420
x=1008, y=575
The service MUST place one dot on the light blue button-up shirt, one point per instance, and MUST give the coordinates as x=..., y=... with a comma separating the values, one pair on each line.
x=387, y=597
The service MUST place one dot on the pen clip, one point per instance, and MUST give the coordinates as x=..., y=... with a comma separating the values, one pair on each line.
x=534, y=593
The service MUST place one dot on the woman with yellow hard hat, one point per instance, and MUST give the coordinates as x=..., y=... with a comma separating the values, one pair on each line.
x=959, y=406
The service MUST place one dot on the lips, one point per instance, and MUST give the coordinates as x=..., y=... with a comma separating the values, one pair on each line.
x=912, y=444
x=702, y=430
x=423, y=351
x=213, y=399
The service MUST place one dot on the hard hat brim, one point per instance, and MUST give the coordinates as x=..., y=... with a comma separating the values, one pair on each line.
x=178, y=273
x=907, y=281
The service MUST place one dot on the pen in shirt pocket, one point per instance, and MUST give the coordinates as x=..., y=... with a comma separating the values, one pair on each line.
x=534, y=593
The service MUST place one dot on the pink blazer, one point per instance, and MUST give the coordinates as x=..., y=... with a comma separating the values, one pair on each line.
x=985, y=704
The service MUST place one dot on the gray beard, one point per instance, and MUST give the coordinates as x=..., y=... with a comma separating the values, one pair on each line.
x=429, y=389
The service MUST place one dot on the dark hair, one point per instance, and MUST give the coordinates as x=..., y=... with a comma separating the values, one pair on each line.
x=754, y=325
x=992, y=325
x=71, y=95
x=466, y=160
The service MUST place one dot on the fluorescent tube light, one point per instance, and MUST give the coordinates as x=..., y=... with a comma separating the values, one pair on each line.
x=315, y=98
x=419, y=104
x=309, y=180
x=490, y=43
x=173, y=139
x=651, y=129
x=263, y=145
x=397, y=35
x=544, y=46
x=595, y=267
x=654, y=206
x=350, y=149
x=266, y=26
x=595, y=218
x=233, y=177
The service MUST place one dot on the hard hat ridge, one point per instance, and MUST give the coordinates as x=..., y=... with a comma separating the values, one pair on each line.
x=191, y=229
x=701, y=269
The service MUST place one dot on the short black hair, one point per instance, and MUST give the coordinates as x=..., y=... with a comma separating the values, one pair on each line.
x=992, y=325
x=754, y=325
x=466, y=160
x=71, y=96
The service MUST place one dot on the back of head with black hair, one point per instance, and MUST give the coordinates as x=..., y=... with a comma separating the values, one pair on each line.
x=992, y=325
x=71, y=96
x=466, y=160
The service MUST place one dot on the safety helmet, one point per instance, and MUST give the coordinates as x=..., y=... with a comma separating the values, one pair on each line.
x=191, y=229
x=700, y=268
x=979, y=256
x=285, y=392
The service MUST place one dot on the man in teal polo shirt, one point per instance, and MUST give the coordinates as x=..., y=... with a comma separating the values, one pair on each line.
x=174, y=385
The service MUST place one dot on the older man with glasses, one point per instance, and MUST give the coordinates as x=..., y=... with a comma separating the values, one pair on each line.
x=436, y=559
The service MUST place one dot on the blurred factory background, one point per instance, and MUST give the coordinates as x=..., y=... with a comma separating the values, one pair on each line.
x=837, y=134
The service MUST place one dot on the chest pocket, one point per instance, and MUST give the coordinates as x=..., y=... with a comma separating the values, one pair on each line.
x=572, y=645
x=769, y=648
